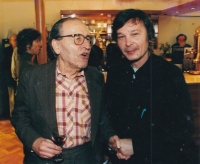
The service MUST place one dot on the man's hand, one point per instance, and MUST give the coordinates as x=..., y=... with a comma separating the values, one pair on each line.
x=114, y=143
x=126, y=147
x=121, y=156
x=45, y=148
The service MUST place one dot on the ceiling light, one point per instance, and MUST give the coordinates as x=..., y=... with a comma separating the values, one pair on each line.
x=98, y=25
x=92, y=21
x=177, y=12
x=109, y=29
x=73, y=15
x=192, y=8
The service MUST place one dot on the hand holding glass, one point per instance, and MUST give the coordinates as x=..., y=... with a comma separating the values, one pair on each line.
x=58, y=139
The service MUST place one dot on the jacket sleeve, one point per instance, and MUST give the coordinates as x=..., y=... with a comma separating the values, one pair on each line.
x=105, y=126
x=21, y=117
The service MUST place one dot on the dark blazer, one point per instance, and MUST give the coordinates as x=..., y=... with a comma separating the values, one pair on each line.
x=153, y=109
x=6, y=64
x=34, y=114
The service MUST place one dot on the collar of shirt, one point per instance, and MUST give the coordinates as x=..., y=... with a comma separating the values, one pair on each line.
x=58, y=72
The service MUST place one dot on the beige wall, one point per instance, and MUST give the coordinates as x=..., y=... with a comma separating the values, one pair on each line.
x=171, y=26
x=18, y=15
x=1, y=28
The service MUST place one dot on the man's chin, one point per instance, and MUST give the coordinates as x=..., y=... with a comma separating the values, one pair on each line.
x=84, y=66
x=133, y=59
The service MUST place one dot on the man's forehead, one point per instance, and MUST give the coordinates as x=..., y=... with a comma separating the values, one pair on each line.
x=13, y=37
x=135, y=21
x=181, y=37
x=135, y=24
x=73, y=26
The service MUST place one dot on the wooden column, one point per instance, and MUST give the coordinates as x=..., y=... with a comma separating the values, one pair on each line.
x=41, y=27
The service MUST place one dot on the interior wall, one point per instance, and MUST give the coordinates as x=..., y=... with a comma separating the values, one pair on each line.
x=18, y=15
x=1, y=28
x=171, y=26
x=15, y=16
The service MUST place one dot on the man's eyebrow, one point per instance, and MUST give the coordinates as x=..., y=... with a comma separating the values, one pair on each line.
x=129, y=30
x=119, y=33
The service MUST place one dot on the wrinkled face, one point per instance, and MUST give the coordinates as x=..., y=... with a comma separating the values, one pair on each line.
x=72, y=55
x=181, y=40
x=133, y=41
x=13, y=41
x=35, y=48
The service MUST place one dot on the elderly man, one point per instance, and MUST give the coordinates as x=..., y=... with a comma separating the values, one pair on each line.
x=62, y=94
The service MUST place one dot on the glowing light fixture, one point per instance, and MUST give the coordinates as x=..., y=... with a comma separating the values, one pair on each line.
x=73, y=15
x=109, y=29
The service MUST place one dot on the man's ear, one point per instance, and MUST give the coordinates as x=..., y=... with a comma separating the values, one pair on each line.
x=55, y=46
x=28, y=46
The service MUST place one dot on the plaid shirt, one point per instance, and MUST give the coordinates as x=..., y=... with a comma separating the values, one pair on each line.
x=73, y=109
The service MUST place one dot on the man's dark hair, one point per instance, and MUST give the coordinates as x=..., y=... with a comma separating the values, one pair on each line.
x=26, y=37
x=181, y=35
x=56, y=31
x=135, y=15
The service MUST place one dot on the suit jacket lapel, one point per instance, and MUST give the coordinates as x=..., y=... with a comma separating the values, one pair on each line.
x=45, y=90
x=95, y=91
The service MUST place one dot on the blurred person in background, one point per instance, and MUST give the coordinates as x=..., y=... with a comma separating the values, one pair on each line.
x=113, y=54
x=28, y=47
x=15, y=65
x=96, y=58
x=6, y=64
x=181, y=41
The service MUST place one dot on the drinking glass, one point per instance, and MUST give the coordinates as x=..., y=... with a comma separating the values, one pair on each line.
x=59, y=139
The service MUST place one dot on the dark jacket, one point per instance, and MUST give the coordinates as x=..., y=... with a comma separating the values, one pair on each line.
x=113, y=55
x=177, y=45
x=6, y=64
x=25, y=62
x=154, y=110
x=96, y=57
x=34, y=114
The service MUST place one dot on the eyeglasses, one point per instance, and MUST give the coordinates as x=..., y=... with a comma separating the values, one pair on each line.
x=79, y=38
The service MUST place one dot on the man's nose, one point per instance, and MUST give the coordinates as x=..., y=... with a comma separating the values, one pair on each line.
x=40, y=44
x=87, y=44
x=128, y=41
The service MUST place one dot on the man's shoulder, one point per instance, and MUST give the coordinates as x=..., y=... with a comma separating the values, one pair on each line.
x=164, y=67
x=158, y=61
x=46, y=67
x=92, y=70
x=175, y=44
x=8, y=50
x=188, y=45
x=9, y=47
